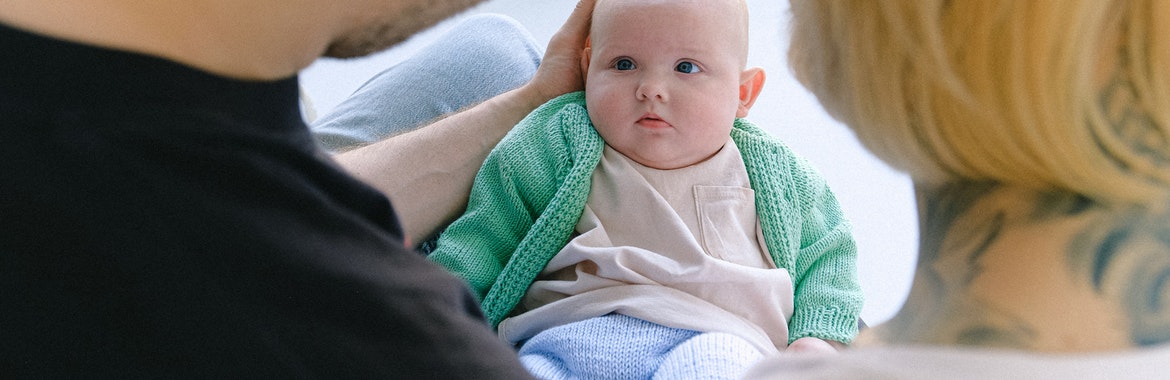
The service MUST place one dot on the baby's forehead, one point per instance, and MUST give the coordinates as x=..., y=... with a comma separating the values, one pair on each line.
x=732, y=13
x=728, y=17
x=739, y=6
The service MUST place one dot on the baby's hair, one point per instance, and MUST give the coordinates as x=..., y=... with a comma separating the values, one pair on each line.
x=1073, y=96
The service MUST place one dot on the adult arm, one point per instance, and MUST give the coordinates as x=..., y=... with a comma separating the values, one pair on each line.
x=511, y=196
x=427, y=173
x=477, y=245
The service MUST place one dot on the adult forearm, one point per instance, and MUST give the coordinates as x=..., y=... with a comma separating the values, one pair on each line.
x=427, y=172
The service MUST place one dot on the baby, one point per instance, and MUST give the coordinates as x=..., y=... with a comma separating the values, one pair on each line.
x=643, y=228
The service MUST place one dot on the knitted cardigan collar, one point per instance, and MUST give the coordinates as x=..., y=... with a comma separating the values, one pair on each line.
x=580, y=152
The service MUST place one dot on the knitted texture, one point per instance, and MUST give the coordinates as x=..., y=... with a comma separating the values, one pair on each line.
x=532, y=189
x=620, y=347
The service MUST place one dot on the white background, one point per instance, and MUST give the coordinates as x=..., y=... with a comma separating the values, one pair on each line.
x=878, y=200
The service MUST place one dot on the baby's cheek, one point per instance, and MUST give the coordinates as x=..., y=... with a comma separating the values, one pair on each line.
x=603, y=110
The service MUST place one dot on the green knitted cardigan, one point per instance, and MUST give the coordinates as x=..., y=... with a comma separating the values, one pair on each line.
x=531, y=191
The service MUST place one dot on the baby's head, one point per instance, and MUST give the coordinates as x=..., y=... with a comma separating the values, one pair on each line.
x=665, y=79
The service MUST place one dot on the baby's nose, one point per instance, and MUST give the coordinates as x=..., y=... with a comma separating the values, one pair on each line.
x=651, y=88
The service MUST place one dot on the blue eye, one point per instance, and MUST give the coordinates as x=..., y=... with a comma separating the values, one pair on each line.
x=624, y=64
x=687, y=67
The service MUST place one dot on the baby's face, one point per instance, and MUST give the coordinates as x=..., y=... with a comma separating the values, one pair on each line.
x=663, y=77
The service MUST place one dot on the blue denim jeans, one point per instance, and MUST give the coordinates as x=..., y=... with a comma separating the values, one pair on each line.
x=483, y=56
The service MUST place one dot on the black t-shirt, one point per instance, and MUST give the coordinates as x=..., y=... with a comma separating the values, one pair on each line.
x=160, y=221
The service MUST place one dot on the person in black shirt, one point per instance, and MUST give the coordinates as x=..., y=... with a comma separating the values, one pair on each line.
x=165, y=212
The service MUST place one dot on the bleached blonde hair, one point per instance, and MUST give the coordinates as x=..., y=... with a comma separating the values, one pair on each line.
x=1072, y=95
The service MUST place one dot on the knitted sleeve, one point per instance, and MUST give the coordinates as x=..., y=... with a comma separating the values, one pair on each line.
x=828, y=294
x=511, y=190
x=477, y=245
x=806, y=233
x=524, y=203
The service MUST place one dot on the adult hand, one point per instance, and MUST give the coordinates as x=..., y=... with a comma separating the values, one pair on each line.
x=423, y=159
x=560, y=69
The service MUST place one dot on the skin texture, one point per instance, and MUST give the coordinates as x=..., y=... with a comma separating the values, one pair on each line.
x=1026, y=269
x=665, y=79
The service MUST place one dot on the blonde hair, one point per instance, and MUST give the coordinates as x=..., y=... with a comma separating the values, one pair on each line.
x=1074, y=96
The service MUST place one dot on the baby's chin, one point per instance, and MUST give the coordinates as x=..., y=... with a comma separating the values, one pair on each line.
x=668, y=163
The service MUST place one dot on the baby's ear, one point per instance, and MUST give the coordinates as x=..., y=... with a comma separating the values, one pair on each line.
x=585, y=56
x=751, y=81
